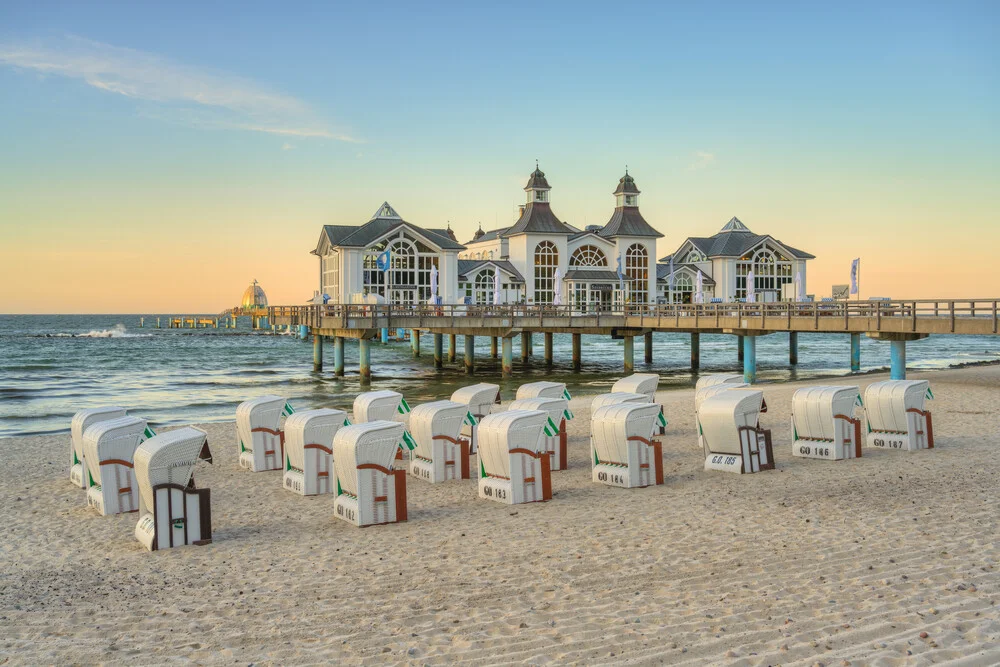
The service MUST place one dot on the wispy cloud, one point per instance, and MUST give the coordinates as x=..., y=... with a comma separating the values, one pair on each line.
x=702, y=160
x=193, y=95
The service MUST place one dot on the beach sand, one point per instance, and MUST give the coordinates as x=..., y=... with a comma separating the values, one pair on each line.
x=844, y=562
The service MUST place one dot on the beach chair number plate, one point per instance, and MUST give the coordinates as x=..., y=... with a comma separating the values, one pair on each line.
x=612, y=478
x=890, y=442
x=346, y=512
x=497, y=492
x=815, y=452
x=724, y=462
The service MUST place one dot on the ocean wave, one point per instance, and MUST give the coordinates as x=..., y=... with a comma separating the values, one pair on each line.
x=117, y=331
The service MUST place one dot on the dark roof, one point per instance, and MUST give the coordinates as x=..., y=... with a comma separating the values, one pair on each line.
x=627, y=221
x=734, y=225
x=538, y=218
x=592, y=274
x=626, y=185
x=489, y=236
x=663, y=273
x=361, y=236
x=537, y=181
x=734, y=240
x=466, y=266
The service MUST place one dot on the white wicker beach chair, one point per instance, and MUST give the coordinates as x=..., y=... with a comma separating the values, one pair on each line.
x=625, y=454
x=823, y=423
x=383, y=405
x=109, y=447
x=479, y=400
x=370, y=490
x=701, y=395
x=81, y=421
x=553, y=438
x=441, y=452
x=896, y=417
x=172, y=511
x=260, y=434
x=541, y=390
x=729, y=421
x=645, y=384
x=717, y=378
x=513, y=469
x=309, y=450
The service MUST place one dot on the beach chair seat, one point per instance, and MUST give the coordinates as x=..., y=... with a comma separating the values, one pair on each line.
x=260, y=434
x=109, y=448
x=700, y=395
x=370, y=490
x=624, y=452
x=513, y=468
x=383, y=405
x=645, y=384
x=553, y=438
x=82, y=420
x=894, y=410
x=479, y=400
x=309, y=450
x=823, y=423
x=729, y=421
x=441, y=453
x=717, y=378
x=173, y=512
x=541, y=390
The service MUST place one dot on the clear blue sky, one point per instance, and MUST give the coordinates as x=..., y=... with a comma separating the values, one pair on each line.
x=133, y=123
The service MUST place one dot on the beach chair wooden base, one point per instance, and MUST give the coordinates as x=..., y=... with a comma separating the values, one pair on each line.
x=295, y=481
x=76, y=475
x=271, y=455
x=632, y=477
x=533, y=487
x=181, y=516
x=389, y=507
x=756, y=455
x=453, y=464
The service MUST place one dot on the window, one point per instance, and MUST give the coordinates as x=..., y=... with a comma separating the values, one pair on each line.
x=683, y=288
x=637, y=273
x=588, y=255
x=631, y=200
x=770, y=271
x=409, y=273
x=331, y=276
x=546, y=261
x=484, y=286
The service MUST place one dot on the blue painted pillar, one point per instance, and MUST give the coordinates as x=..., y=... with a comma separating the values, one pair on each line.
x=897, y=360
x=365, y=360
x=739, y=349
x=855, y=352
x=338, y=356
x=695, y=351
x=749, y=359
x=415, y=341
x=629, y=354
x=470, y=354
x=385, y=335
x=793, y=348
x=317, y=353
x=303, y=332
x=438, y=350
x=507, y=354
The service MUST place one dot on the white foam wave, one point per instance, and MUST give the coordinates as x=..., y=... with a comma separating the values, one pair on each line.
x=117, y=331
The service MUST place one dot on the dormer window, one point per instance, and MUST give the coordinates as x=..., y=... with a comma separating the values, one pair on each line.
x=541, y=195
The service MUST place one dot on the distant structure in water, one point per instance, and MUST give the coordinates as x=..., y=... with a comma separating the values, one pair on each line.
x=253, y=304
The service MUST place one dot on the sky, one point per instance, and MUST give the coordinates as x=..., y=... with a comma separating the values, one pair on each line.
x=159, y=157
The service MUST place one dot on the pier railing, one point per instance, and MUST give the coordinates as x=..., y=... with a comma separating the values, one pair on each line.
x=929, y=316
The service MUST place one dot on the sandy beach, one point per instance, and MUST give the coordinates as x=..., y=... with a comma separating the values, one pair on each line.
x=890, y=559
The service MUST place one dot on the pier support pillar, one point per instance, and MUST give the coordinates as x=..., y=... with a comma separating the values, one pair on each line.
x=793, y=348
x=470, y=355
x=338, y=356
x=695, y=351
x=576, y=353
x=317, y=353
x=365, y=360
x=438, y=350
x=493, y=347
x=897, y=360
x=548, y=349
x=415, y=341
x=525, y=345
x=303, y=332
x=452, y=344
x=749, y=359
x=649, y=347
x=855, y=352
x=385, y=335
x=739, y=349
x=629, y=354
x=508, y=353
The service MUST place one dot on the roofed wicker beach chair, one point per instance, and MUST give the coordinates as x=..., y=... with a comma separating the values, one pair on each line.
x=309, y=450
x=823, y=423
x=729, y=421
x=717, y=378
x=896, y=417
x=260, y=433
x=370, y=490
x=542, y=390
x=81, y=421
x=701, y=395
x=441, y=453
x=479, y=400
x=624, y=453
x=645, y=384
x=553, y=438
x=173, y=512
x=383, y=405
x=513, y=469
x=109, y=447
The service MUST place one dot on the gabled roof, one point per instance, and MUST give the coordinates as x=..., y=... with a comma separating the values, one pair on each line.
x=627, y=221
x=734, y=240
x=538, y=218
x=383, y=222
x=488, y=236
x=591, y=232
x=734, y=225
x=467, y=266
x=663, y=273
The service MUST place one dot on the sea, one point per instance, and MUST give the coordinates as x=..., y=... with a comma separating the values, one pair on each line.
x=53, y=365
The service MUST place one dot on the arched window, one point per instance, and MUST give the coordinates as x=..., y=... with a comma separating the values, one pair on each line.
x=588, y=255
x=637, y=273
x=683, y=288
x=771, y=270
x=484, y=286
x=403, y=264
x=408, y=280
x=546, y=261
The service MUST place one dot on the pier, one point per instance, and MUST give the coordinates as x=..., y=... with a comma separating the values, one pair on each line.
x=897, y=322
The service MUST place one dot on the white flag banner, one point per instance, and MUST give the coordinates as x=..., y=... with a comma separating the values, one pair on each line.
x=855, y=268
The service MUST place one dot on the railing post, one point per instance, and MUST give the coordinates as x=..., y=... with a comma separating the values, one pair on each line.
x=951, y=314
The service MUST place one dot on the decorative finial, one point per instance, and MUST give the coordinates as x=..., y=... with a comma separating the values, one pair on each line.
x=626, y=170
x=536, y=163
